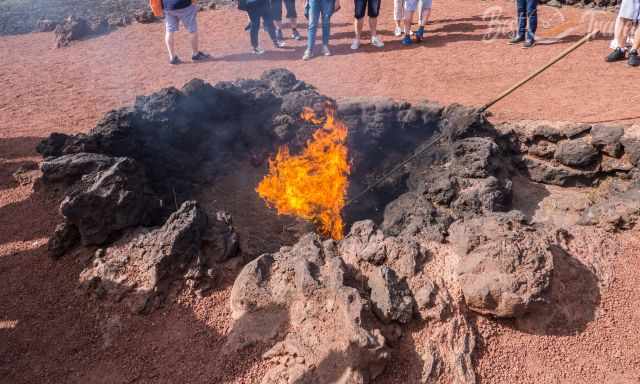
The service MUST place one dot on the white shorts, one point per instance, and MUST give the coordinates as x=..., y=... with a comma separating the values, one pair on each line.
x=630, y=10
x=412, y=5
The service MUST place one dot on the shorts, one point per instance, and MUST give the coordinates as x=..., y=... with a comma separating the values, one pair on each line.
x=371, y=6
x=187, y=16
x=630, y=10
x=412, y=5
x=276, y=9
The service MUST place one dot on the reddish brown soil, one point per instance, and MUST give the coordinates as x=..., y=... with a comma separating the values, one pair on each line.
x=62, y=335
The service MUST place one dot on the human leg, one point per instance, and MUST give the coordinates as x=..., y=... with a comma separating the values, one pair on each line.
x=532, y=15
x=314, y=16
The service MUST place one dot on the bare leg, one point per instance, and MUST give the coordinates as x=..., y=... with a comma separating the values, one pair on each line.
x=168, y=39
x=193, y=37
x=293, y=23
x=424, y=17
x=373, y=24
x=358, y=27
x=636, y=39
x=622, y=31
x=408, y=19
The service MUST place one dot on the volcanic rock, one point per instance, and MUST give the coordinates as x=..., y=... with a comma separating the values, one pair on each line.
x=549, y=173
x=391, y=297
x=607, y=138
x=64, y=237
x=141, y=266
x=631, y=143
x=314, y=319
x=53, y=145
x=543, y=149
x=73, y=28
x=45, y=25
x=620, y=210
x=505, y=264
x=109, y=201
x=70, y=168
x=145, y=16
x=576, y=153
x=223, y=238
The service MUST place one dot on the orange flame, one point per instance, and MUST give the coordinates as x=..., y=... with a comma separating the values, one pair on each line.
x=312, y=185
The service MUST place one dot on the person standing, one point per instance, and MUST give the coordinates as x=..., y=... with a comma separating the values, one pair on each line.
x=176, y=12
x=317, y=8
x=527, y=14
x=423, y=16
x=292, y=18
x=259, y=9
x=372, y=9
x=628, y=16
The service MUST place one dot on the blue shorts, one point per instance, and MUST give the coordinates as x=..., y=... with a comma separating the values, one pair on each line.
x=412, y=5
x=187, y=16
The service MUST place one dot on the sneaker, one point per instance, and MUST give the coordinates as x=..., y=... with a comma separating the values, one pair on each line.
x=419, y=34
x=295, y=35
x=199, y=56
x=175, y=60
x=397, y=32
x=376, y=42
x=325, y=50
x=258, y=51
x=307, y=55
x=617, y=55
x=529, y=44
x=406, y=40
x=279, y=35
x=356, y=44
x=517, y=39
x=279, y=44
x=634, y=60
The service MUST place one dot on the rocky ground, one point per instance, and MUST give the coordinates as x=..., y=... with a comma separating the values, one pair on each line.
x=63, y=324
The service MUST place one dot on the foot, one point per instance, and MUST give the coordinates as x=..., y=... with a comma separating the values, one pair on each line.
x=200, y=56
x=356, y=44
x=516, y=40
x=325, y=50
x=295, y=35
x=376, y=42
x=529, y=44
x=279, y=35
x=419, y=34
x=617, y=55
x=307, y=55
x=279, y=44
x=406, y=40
x=634, y=60
x=175, y=60
x=257, y=51
x=397, y=32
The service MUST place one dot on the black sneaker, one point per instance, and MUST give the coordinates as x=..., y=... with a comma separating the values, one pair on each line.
x=295, y=35
x=617, y=55
x=175, y=60
x=516, y=39
x=634, y=60
x=200, y=56
x=529, y=44
x=279, y=35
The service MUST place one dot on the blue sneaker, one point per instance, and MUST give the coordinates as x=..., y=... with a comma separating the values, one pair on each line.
x=419, y=34
x=406, y=40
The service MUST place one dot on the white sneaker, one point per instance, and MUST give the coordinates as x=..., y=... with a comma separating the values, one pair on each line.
x=355, y=44
x=397, y=32
x=325, y=50
x=258, y=51
x=376, y=42
x=307, y=55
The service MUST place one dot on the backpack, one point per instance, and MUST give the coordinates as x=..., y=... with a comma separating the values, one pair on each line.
x=158, y=9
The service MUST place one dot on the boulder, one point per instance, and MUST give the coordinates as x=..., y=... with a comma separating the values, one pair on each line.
x=70, y=168
x=620, y=210
x=109, y=201
x=296, y=302
x=607, y=139
x=73, y=28
x=141, y=266
x=390, y=296
x=557, y=174
x=505, y=264
x=577, y=153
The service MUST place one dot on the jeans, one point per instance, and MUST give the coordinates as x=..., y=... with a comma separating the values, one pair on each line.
x=257, y=10
x=527, y=9
x=317, y=7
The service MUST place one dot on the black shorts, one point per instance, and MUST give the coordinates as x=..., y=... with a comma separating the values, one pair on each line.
x=276, y=9
x=371, y=6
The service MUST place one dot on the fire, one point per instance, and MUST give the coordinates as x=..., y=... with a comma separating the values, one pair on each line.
x=312, y=185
